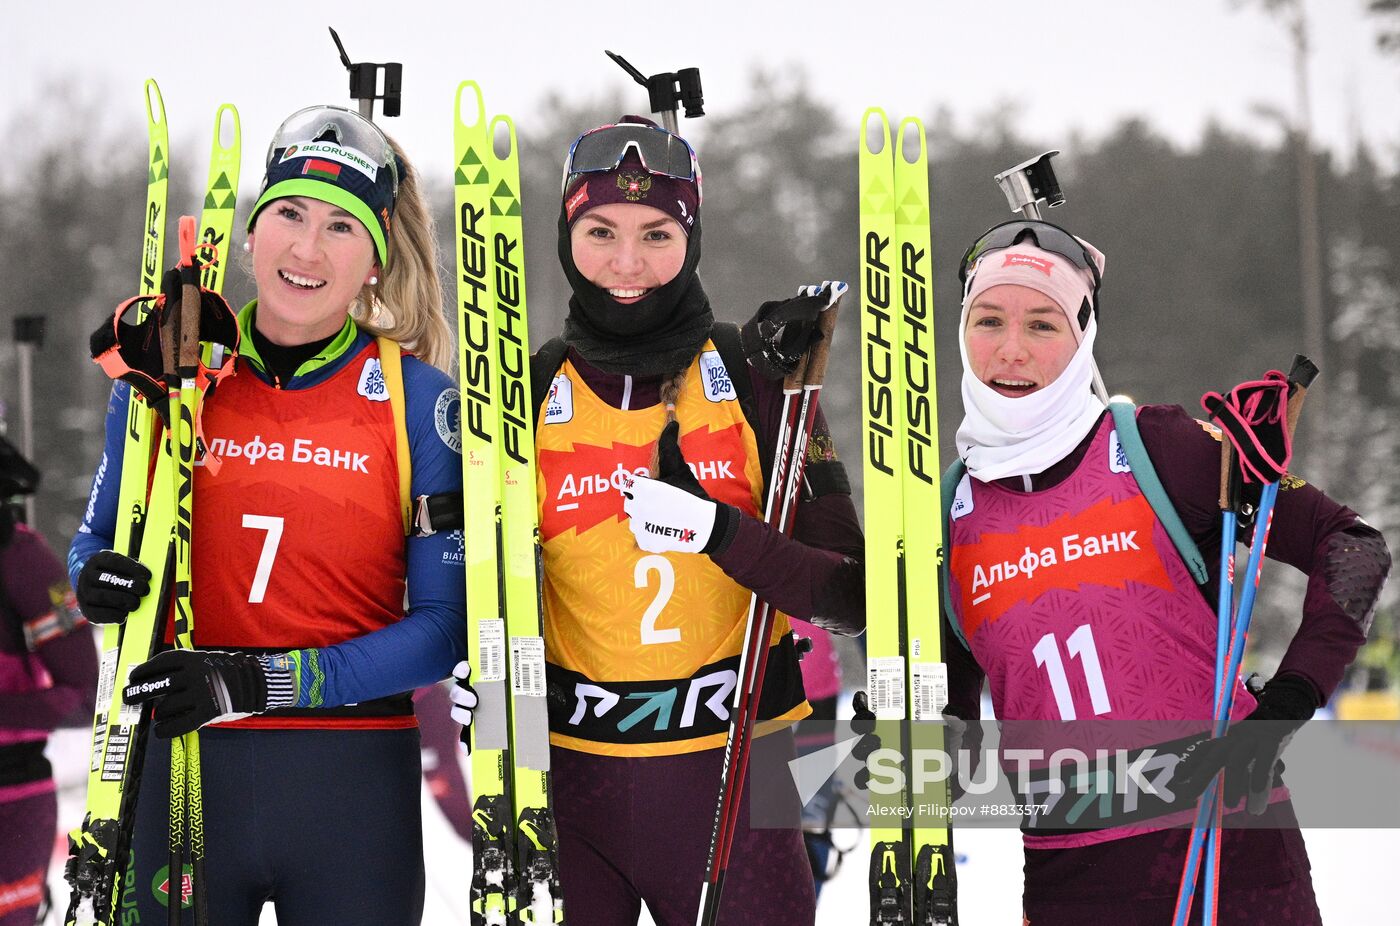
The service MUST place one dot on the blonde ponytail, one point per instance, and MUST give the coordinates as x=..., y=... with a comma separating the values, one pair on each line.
x=407, y=302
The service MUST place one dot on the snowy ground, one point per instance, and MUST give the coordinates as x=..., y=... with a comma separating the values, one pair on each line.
x=1353, y=870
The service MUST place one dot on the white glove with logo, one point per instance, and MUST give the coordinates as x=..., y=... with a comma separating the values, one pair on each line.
x=665, y=519
x=673, y=514
x=463, y=695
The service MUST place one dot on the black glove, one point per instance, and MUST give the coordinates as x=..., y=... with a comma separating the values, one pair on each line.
x=863, y=723
x=672, y=469
x=110, y=587
x=781, y=331
x=1249, y=751
x=193, y=687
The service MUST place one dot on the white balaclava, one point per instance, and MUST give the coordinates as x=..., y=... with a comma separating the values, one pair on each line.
x=1002, y=436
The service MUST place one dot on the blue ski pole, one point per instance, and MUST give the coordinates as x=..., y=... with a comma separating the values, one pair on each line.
x=1209, y=811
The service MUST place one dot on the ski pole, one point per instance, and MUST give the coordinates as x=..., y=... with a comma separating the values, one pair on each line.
x=1229, y=522
x=720, y=837
x=1208, y=811
x=187, y=804
x=789, y=461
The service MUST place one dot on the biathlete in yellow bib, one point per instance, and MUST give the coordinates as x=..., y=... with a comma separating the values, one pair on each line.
x=647, y=581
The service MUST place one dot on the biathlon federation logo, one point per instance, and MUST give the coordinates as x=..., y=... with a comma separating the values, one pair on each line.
x=447, y=419
x=559, y=408
x=634, y=187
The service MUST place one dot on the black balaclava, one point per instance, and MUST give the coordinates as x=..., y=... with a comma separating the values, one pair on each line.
x=664, y=330
x=659, y=333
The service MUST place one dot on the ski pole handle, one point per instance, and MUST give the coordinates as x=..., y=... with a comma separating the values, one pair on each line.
x=811, y=368
x=188, y=359
x=815, y=372
x=1227, y=468
x=1300, y=377
x=792, y=383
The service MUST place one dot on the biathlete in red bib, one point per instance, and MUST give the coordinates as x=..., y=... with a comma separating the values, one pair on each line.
x=647, y=581
x=1075, y=605
x=308, y=650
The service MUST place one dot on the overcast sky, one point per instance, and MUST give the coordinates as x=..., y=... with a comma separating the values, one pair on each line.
x=1065, y=65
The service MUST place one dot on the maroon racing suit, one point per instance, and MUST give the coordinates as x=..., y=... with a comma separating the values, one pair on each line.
x=48, y=678
x=1265, y=873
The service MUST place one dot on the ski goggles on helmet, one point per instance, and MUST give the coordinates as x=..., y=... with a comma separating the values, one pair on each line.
x=660, y=152
x=337, y=156
x=1043, y=235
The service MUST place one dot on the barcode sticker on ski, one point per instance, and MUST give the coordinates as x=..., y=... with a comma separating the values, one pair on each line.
x=491, y=650
x=527, y=666
x=130, y=714
x=106, y=684
x=106, y=680
x=930, y=690
x=885, y=681
x=114, y=760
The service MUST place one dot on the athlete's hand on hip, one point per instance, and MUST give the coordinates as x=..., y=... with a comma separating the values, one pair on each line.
x=673, y=513
x=1250, y=751
x=110, y=586
x=193, y=687
x=463, y=696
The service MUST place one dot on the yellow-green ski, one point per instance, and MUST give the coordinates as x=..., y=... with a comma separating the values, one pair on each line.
x=94, y=847
x=146, y=530
x=220, y=197
x=911, y=865
x=934, y=879
x=538, y=898
x=515, y=869
x=493, y=813
x=882, y=408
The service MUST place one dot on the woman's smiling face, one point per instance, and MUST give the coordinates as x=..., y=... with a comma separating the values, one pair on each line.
x=627, y=249
x=310, y=260
x=1018, y=339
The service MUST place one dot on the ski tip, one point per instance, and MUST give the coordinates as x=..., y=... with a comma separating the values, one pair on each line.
x=155, y=104
x=503, y=137
x=469, y=90
x=227, y=126
x=913, y=146
x=874, y=131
